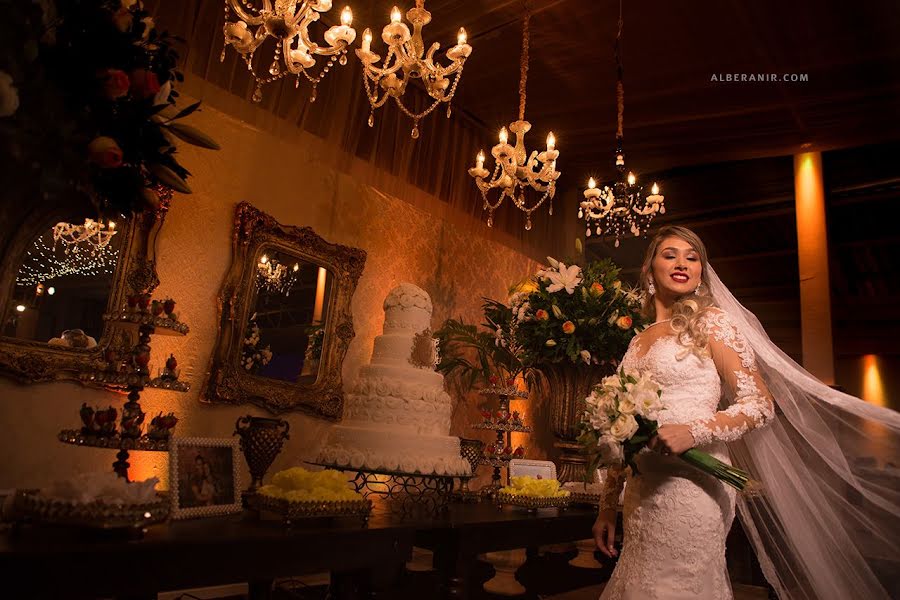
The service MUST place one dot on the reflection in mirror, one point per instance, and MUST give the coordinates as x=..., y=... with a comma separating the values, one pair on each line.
x=63, y=284
x=285, y=334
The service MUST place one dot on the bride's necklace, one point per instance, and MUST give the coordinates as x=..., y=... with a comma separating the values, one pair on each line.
x=657, y=323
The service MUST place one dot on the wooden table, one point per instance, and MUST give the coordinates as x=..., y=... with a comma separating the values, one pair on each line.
x=40, y=562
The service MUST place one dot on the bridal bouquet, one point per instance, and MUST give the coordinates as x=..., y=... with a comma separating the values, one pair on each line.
x=620, y=419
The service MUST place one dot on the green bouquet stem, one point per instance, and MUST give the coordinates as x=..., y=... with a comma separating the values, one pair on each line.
x=736, y=478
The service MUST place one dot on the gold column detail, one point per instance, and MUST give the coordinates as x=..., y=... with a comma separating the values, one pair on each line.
x=812, y=251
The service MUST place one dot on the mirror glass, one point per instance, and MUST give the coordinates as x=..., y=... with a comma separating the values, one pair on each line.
x=285, y=333
x=63, y=284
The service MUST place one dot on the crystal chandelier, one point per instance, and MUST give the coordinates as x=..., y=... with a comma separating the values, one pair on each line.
x=274, y=276
x=513, y=174
x=43, y=263
x=412, y=62
x=288, y=23
x=623, y=207
x=92, y=236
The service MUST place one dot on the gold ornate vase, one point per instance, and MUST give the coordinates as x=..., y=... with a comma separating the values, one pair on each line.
x=568, y=385
x=261, y=441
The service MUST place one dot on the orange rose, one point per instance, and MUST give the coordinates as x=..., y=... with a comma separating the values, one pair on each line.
x=105, y=152
x=115, y=83
x=596, y=289
x=624, y=322
x=568, y=327
x=144, y=83
x=541, y=314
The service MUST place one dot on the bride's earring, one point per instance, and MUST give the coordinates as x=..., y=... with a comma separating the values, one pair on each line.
x=651, y=289
x=697, y=291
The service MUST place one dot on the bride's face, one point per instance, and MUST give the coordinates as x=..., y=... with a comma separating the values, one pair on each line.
x=676, y=267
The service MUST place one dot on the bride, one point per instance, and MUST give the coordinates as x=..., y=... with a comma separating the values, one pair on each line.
x=822, y=526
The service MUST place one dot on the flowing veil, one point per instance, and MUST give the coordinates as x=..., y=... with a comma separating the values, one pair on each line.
x=826, y=524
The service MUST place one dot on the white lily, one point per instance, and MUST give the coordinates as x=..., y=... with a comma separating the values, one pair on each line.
x=565, y=278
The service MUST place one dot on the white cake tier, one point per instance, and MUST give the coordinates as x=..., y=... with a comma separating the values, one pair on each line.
x=387, y=449
x=394, y=347
x=405, y=373
x=416, y=408
x=407, y=307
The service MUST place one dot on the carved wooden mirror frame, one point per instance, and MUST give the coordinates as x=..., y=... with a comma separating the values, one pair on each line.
x=228, y=382
x=32, y=361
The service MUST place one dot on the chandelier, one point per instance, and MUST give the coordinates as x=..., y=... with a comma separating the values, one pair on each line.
x=411, y=62
x=624, y=206
x=92, y=236
x=275, y=276
x=288, y=24
x=43, y=263
x=513, y=174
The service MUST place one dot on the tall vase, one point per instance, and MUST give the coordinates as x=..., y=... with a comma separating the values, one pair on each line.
x=568, y=385
x=261, y=441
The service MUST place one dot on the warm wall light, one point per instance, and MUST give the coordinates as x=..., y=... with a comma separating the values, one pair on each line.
x=20, y=308
x=873, y=387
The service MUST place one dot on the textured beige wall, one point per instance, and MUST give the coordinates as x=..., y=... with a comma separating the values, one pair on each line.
x=282, y=177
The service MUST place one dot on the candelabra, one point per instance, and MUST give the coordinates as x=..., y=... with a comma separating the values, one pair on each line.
x=287, y=22
x=516, y=171
x=623, y=206
x=411, y=62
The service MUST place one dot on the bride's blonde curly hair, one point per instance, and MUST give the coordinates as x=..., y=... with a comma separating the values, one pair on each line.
x=689, y=308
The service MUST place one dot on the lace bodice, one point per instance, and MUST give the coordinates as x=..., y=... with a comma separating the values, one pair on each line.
x=692, y=381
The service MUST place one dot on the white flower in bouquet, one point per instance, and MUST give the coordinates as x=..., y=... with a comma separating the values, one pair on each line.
x=561, y=277
x=522, y=312
x=623, y=427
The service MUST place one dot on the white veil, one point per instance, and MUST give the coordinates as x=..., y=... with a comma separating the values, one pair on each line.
x=827, y=521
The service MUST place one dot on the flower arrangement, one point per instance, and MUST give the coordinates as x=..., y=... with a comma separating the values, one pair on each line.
x=84, y=86
x=252, y=356
x=566, y=313
x=314, y=346
x=620, y=419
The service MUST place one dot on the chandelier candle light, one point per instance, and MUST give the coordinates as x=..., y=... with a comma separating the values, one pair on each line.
x=93, y=235
x=406, y=55
x=275, y=276
x=623, y=206
x=288, y=23
x=512, y=173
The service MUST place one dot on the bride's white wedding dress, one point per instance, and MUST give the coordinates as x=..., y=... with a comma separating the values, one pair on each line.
x=676, y=518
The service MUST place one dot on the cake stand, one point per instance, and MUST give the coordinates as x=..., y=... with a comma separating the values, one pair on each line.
x=504, y=427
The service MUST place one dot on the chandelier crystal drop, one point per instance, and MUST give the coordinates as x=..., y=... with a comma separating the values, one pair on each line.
x=287, y=22
x=275, y=276
x=407, y=59
x=515, y=171
x=624, y=206
x=90, y=237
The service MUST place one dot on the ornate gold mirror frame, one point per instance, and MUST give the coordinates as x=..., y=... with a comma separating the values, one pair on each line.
x=228, y=382
x=31, y=361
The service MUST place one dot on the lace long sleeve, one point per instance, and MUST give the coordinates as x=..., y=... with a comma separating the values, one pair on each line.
x=612, y=487
x=736, y=363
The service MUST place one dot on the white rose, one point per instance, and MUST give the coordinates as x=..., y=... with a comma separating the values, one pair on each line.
x=9, y=95
x=623, y=428
x=627, y=406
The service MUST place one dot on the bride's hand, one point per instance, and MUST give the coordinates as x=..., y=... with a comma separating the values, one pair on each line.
x=604, y=531
x=672, y=439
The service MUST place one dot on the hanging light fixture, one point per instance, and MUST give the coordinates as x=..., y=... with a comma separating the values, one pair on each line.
x=275, y=276
x=513, y=175
x=410, y=61
x=90, y=237
x=287, y=22
x=624, y=206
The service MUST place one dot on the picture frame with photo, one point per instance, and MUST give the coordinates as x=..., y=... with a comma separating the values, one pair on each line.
x=204, y=477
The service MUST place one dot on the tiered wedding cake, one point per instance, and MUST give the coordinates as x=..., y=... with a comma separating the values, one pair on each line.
x=397, y=418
